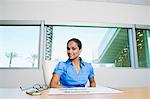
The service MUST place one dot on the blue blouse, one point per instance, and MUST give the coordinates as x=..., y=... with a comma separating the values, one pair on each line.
x=70, y=78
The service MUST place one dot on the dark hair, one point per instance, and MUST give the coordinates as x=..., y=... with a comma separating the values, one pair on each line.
x=76, y=41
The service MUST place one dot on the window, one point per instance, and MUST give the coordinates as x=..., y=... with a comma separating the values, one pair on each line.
x=107, y=47
x=19, y=45
x=143, y=47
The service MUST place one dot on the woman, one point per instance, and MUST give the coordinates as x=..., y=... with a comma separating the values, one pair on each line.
x=74, y=72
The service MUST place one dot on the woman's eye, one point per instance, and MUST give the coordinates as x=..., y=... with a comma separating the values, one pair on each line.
x=73, y=48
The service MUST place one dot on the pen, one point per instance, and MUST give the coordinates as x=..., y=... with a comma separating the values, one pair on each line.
x=23, y=89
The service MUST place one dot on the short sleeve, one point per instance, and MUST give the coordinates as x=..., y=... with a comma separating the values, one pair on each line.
x=59, y=69
x=91, y=72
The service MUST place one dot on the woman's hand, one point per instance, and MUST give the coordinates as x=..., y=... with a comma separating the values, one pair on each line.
x=92, y=82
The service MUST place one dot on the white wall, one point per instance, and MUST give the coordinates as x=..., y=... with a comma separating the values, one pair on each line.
x=23, y=77
x=54, y=12
x=61, y=11
x=149, y=79
x=122, y=77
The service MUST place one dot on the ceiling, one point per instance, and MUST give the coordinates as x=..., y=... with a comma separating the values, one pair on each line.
x=135, y=2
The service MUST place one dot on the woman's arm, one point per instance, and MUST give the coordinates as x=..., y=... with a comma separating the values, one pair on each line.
x=92, y=82
x=54, y=83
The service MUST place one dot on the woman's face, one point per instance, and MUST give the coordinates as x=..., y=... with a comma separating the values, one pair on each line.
x=73, y=50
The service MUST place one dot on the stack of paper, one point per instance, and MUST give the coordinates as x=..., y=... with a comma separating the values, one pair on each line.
x=86, y=90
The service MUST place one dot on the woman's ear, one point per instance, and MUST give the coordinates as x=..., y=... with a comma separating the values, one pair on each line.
x=80, y=51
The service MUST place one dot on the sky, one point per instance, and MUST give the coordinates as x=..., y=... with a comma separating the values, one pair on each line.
x=12, y=39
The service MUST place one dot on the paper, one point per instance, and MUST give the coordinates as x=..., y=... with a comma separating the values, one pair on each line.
x=86, y=90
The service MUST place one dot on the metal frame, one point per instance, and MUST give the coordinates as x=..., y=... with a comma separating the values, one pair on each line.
x=20, y=22
x=91, y=24
x=142, y=26
x=133, y=43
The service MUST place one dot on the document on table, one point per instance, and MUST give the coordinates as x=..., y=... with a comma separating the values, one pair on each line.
x=84, y=90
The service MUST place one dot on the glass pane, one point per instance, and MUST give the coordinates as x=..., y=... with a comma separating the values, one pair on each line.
x=143, y=47
x=19, y=46
x=106, y=47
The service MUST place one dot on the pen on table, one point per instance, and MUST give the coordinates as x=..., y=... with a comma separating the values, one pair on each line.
x=23, y=89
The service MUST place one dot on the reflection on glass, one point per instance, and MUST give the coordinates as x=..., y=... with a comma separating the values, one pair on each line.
x=19, y=46
x=143, y=47
x=106, y=47
x=115, y=48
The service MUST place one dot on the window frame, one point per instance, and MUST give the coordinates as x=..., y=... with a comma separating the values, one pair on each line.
x=40, y=43
x=105, y=25
x=139, y=26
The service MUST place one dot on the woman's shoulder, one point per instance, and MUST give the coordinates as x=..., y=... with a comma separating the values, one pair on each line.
x=86, y=63
x=61, y=63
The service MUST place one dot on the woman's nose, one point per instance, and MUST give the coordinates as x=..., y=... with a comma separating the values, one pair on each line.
x=69, y=51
